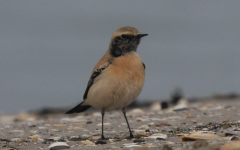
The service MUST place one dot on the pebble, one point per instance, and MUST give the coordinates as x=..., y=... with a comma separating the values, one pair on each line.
x=139, y=140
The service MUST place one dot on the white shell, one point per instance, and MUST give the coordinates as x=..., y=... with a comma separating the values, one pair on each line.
x=59, y=145
x=157, y=135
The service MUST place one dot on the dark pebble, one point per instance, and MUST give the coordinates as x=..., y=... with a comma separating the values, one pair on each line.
x=139, y=140
x=164, y=105
x=234, y=138
x=229, y=134
x=89, y=122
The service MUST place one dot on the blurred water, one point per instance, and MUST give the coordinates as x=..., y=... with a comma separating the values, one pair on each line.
x=48, y=48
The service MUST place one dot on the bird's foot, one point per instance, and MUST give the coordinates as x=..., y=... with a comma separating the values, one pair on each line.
x=103, y=138
x=131, y=137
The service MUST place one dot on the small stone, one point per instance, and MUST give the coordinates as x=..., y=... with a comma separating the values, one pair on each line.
x=139, y=140
x=88, y=122
x=229, y=134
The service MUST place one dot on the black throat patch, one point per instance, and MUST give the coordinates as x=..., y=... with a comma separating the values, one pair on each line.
x=123, y=44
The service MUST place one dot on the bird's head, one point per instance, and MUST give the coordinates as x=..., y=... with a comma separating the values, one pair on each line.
x=125, y=40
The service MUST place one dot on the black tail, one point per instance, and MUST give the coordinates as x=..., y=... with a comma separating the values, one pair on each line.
x=78, y=109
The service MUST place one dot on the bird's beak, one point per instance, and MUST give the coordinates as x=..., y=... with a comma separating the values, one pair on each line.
x=141, y=35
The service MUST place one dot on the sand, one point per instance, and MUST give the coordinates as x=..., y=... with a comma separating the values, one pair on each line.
x=152, y=127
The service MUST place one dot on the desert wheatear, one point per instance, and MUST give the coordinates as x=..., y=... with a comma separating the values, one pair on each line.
x=118, y=77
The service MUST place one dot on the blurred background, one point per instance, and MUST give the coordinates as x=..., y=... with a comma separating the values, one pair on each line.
x=49, y=48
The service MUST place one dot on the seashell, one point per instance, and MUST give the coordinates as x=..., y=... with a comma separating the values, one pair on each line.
x=182, y=105
x=88, y=143
x=155, y=106
x=54, y=138
x=140, y=135
x=59, y=145
x=15, y=139
x=105, y=124
x=136, y=111
x=138, y=131
x=144, y=127
x=203, y=135
x=157, y=135
x=35, y=138
x=59, y=125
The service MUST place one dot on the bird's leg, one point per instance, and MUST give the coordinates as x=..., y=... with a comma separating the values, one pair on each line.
x=124, y=113
x=103, y=112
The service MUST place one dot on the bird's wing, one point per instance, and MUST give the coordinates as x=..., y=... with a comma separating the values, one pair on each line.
x=94, y=75
x=144, y=65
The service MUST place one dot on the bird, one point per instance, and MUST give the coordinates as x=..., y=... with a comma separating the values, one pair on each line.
x=118, y=77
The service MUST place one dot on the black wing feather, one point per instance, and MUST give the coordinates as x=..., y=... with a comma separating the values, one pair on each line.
x=79, y=108
x=144, y=66
x=91, y=80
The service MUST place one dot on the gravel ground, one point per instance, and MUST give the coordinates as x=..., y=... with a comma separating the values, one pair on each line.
x=218, y=122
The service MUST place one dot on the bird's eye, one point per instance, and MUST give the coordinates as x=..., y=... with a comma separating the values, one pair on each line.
x=124, y=36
